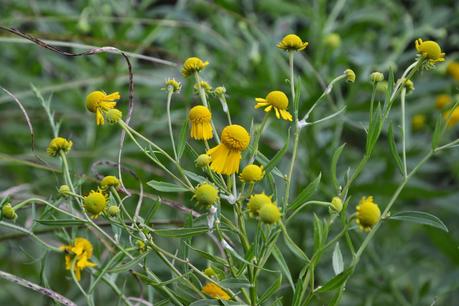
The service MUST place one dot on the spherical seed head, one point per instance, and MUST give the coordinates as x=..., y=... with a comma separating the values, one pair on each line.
x=235, y=137
x=199, y=114
x=252, y=173
x=206, y=194
x=368, y=213
x=113, y=211
x=269, y=213
x=376, y=77
x=109, y=181
x=442, y=100
x=292, y=42
x=58, y=144
x=220, y=91
x=192, y=65
x=332, y=40
x=278, y=99
x=203, y=160
x=210, y=272
x=429, y=49
x=113, y=115
x=350, y=75
x=95, y=202
x=64, y=190
x=337, y=204
x=8, y=212
x=256, y=202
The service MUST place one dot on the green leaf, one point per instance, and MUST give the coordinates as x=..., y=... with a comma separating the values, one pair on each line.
x=208, y=256
x=420, y=217
x=182, y=232
x=277, y=157
x=182, y=141
x=195, y=177
x=318, y=233
x=438, y=131
x=271, y=290
x=334, y=163
x=305, y=194
x=283, y=265
x=336, y=281
x=234, y=283
x=166, y=187
x=128, y=265
x=393, y=149
x=292, y=245
x=61, y=222
x=337, y=260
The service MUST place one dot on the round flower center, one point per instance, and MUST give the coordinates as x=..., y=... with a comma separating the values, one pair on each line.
x=252, y=173
x=199, y=114
x=292, y=40
x=277, y=99
x=95, y=202
x=206, y=194
x=368, y=213
x=431, y=49
x=93, y=100
x=269, y=213
x=257, y=201
x=235, y=137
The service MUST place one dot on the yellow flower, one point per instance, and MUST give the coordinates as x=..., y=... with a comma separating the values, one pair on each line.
x=99, y=102
x=227, y=155
x=269, y=213
x=276, y=100
x=95, y=203
x=453, y=70
x=256, y=202
x=368, y=213
x=206, y=194
x=292, y=42
x=332, y=40
x=452, y=117
x=192, y=65
x=215, y=292
x=252, y=173
x=442, y=101
x=418, y=122
x=8, y=212
x=200, y=118
x=350, y=75
x=109, y=181
x=203, y=160
x=57, y=145
x=82, y=250
x=430, y=50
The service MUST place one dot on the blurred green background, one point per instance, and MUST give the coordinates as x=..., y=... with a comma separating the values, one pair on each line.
x=407, y=264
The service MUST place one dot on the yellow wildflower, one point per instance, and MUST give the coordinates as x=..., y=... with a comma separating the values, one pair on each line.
x=173, y=84
x=292, y=42
x=453, y=70
x=109, y=181
x=368, y=213
x=276, y=100
x=452, y=116
x=256, y=202
x=206, y=194
x=418, y=122
x=227, y=155
x=99, y=102
x=442, y=100
x=430, y=50
x=95, y=203
x=215, y=292
x=57, y=145
x=269, y=213
x=192, y=65
x=82, y=250
x=252, y=173
x=200, y=118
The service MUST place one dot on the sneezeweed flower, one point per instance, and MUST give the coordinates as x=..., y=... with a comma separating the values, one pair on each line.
x=442, y=100
x=256, y=202
x=376, y=77
x=269, y=213
x=418, y=122
x=113, y=115
x=206, y=195
x=8, y=212
x=80, y=251
x=57, y=145
x=173, y=85
x=332, y=40
x=204, y=85
x=350, y=75
x=201, y=127
x=227, y=155
x=192, y=65
x=203, y=160
x=252, y=173
x=99, y=102
x=451, y=117
x=109, y=181
x=95, y=203
x=430, y=50
x=453, y=70
x=292, y=42
x=113, y=211
x=277, y=101
x=215, y=292
x=368, y=213
x=336, y=204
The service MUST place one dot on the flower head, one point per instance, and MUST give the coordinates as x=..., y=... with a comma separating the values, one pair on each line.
x=292, y=42
x=109, y=181
x=453, y=70
x=64, y=190
x=252, y=173
x=408, y=84
x=376, y=77
x=418, y=122
x=277, y=101
x=99, y=102
x=452, y=116
x=368, y=213
x=80, y=251
x=350, y=75
x=95, y=203
x=227, y=155
x=173, y=85
x=192, y=65
x=200, y=118
x=113, y=115
x=210, y=272
x=332, y=40
x=256, y=202
x=204, y=85
x=206, y=194
x=430, y=50
x=57, y=145
x=8, y=212
x=113, y=211
x=337, y=204
x=442, y=100
x=220, y=91
x=215, y=292
x=203, y=160
x=269, y=213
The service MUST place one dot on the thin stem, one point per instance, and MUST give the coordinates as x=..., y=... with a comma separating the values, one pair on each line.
x=402, y=99
x=169, y=98
x=256, y=141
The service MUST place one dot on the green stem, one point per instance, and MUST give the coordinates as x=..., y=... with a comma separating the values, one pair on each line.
x=402, y=99
x=169, y=98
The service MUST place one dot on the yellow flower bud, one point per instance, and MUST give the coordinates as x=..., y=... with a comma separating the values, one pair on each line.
x=220, y=91
x=337, y=204
x=8, y=212
x=376, y=77
x=64, y=190
x=210, y=272
x=368, y=213
x=256, y=202
x=203, y=160
x=206, y=194
x=350, y=75
x=270, y=213
x=95, y=203
x=57, y=145
x=109, y=181
x=113, y=115
x=113, y=211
